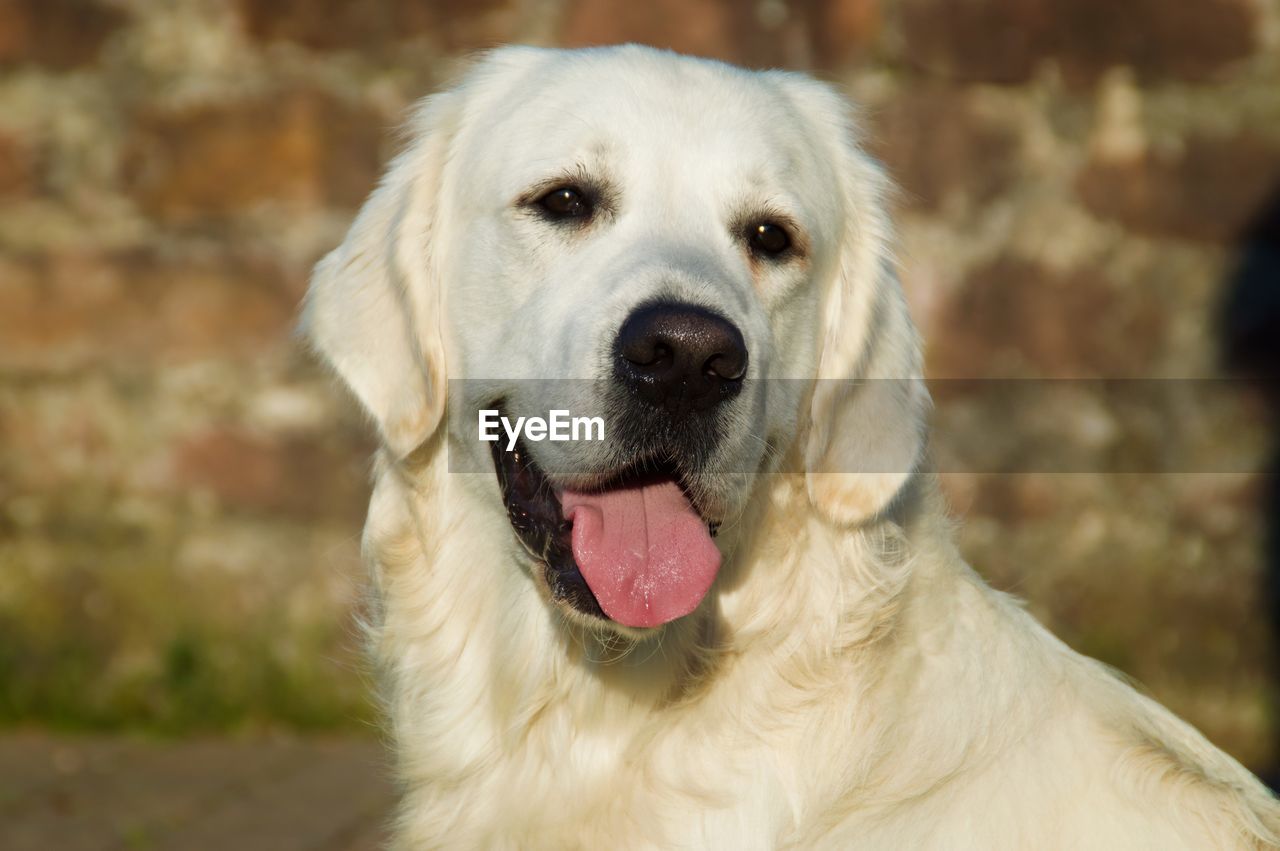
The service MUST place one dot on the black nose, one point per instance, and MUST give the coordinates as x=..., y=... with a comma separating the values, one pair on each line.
x=680, y=357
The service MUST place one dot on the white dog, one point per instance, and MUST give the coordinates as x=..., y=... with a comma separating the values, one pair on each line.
x=739, y=621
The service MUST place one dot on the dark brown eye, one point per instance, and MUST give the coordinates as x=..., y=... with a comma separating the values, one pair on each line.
x=565, y=202
x=768, y=238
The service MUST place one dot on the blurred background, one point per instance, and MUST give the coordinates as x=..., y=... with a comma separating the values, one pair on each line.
x=1090, y=189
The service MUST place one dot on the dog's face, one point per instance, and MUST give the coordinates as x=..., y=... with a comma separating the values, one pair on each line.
x=672, y=245
x=646, y=242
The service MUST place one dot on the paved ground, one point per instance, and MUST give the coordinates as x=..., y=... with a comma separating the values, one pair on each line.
x=83, y=794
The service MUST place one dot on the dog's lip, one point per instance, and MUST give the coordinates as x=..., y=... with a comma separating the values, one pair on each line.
x=533, y=502
x=534, y=511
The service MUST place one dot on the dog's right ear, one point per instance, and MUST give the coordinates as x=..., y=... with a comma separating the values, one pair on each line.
x=373, y=309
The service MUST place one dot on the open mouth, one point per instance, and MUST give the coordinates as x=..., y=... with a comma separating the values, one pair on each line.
x=634, y=549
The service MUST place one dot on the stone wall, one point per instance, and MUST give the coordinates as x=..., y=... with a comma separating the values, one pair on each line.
x=181, y=490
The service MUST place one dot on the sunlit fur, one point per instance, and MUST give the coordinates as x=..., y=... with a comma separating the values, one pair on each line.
x=849, y=682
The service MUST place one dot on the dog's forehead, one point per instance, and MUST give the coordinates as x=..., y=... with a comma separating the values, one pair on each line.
x=643, y=114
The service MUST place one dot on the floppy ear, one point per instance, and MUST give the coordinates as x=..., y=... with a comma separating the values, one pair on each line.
x=373, y=308
x=867, y=431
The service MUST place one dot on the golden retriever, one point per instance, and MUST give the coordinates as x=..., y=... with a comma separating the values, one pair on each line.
x=740, y=620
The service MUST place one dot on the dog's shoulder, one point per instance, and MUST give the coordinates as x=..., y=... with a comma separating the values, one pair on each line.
x=1007, y=720
x=1159, y=759
x=1143, y=769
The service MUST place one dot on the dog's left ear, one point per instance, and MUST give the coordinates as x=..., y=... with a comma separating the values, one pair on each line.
x=867, y=431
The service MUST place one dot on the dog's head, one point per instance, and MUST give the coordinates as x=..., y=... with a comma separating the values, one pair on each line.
x=673, y=245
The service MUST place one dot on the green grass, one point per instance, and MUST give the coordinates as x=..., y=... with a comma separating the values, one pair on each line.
x=105, y=629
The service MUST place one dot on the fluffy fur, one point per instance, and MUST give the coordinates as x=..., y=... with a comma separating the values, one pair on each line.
x=849, y=682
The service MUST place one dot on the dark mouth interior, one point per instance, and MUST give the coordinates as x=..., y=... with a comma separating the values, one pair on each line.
x=534, y=509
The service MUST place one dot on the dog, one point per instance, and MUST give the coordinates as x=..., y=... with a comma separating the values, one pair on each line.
x=739, y=621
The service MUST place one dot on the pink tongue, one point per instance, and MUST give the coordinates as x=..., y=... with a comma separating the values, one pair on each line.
x=645, y=553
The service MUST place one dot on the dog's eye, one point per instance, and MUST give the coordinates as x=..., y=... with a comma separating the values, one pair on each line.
x=565, y=202
x=768, y=238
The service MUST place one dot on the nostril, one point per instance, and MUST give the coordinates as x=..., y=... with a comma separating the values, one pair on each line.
x=728, y=367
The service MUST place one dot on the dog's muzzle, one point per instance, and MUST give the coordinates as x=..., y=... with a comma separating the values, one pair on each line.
x=630, y=543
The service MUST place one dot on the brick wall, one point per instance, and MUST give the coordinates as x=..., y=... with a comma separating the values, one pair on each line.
x=181, y=490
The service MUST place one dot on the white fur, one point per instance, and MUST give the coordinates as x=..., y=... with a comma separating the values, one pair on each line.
x=848, y=682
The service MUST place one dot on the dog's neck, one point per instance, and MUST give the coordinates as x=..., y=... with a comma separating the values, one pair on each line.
x=482, y=675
